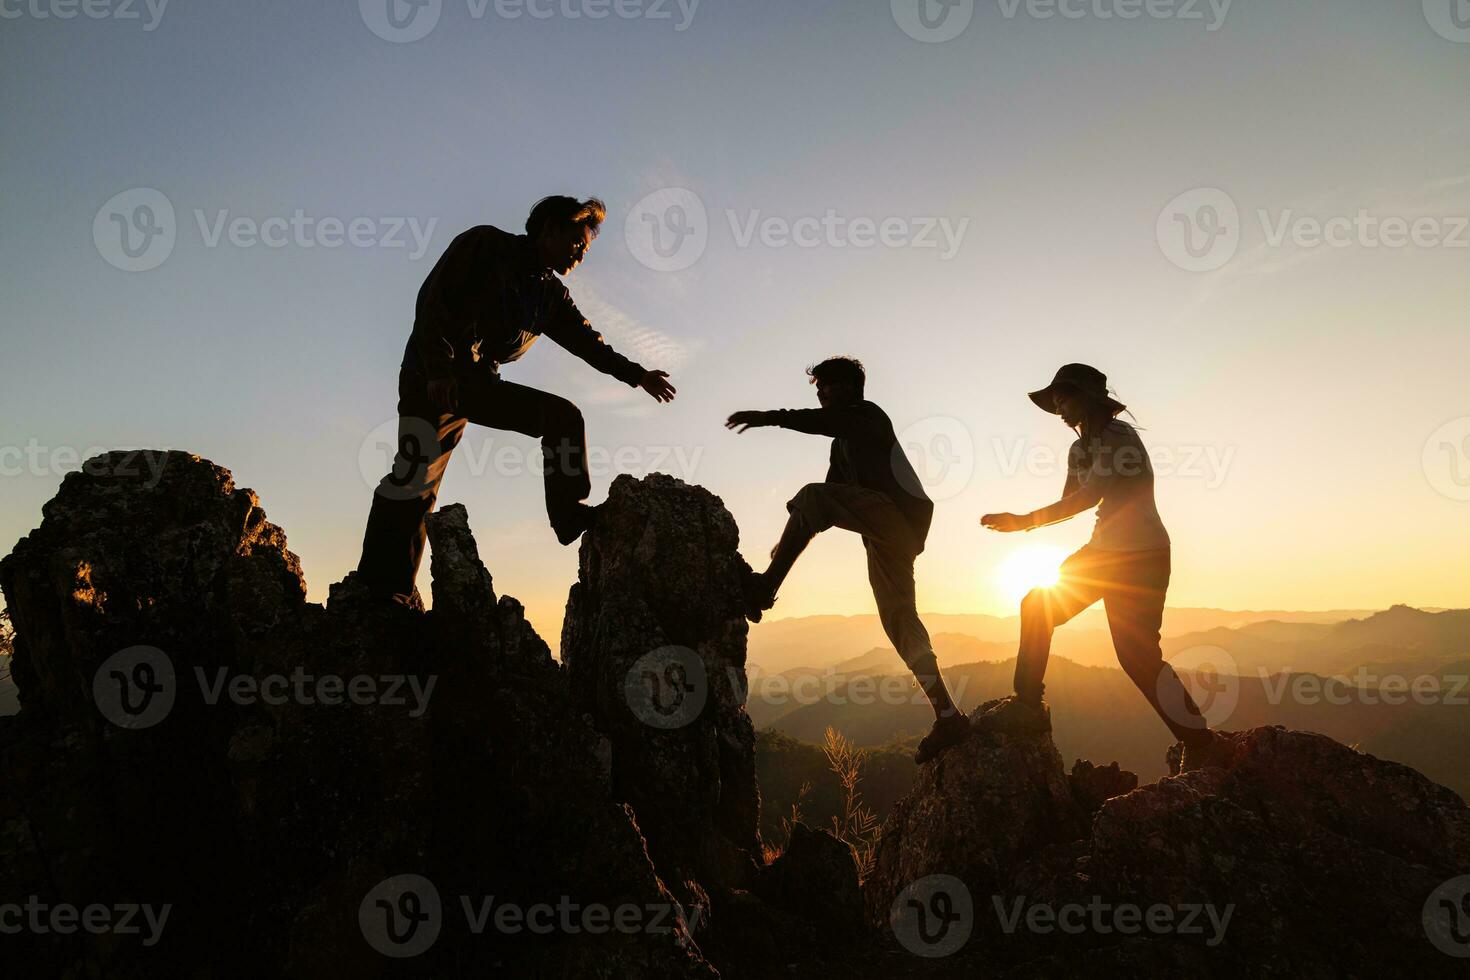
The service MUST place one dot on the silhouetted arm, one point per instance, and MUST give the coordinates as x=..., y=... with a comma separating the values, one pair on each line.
x=569, y=328
x=846, y=421
x=1078, y=495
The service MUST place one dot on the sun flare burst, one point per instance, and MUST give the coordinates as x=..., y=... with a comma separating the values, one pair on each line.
x=1029, y=567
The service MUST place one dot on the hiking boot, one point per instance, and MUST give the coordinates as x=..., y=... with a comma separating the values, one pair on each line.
x=756, y=595
x=580, y=520
x=1210, y=751
x=1013, y=716
x=948, y=731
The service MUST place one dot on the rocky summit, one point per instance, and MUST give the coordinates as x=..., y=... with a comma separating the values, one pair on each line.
x=212, y=777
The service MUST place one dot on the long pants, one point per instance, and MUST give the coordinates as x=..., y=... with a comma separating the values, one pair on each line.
x=891, y=552
x=393, y=544
x=1132, y=586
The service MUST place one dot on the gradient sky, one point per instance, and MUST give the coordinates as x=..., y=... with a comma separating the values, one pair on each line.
x=1313, y=378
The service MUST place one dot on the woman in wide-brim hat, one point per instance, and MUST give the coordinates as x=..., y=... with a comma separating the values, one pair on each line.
x=1126, y=564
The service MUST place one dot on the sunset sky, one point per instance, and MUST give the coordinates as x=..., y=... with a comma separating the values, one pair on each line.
x=986, y=208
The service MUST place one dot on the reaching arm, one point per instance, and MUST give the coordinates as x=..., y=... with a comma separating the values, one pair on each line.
x=1078, y=495
x=846, y=421
x=571, y=330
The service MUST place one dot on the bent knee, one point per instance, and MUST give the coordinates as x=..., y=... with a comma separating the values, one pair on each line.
x=806, y=496
x=563, y=414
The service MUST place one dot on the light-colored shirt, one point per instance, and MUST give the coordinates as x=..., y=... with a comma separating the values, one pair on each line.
x=1113, y=473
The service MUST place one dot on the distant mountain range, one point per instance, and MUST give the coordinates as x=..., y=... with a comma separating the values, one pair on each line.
x=823, y=641
x=1278, y=670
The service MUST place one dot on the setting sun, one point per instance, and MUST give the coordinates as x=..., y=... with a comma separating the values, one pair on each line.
x=1029, y=567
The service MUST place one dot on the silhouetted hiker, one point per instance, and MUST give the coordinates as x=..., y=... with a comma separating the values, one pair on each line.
x=1126, y=565
x=870, y=489
x=484, y=304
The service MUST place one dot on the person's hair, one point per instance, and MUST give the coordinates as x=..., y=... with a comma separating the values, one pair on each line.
x=559, y=209
x=842, y=370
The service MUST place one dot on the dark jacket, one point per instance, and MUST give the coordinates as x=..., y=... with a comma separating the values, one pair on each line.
x=865, y=451
x=487, y=299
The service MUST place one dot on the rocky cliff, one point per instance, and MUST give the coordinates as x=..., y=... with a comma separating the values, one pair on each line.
x=212, y=777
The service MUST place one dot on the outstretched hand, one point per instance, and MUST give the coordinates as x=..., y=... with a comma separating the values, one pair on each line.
x=656, y=383
x=1006, y=522
x=740, y=421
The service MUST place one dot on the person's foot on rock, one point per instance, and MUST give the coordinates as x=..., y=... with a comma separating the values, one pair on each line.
x=756, y=595
x=1013, y=716
x=947, y=731
x=1210, y=751
x=581, y=520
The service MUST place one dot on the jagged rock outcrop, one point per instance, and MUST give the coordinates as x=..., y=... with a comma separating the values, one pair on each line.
x=322, y=790
x=654, y=643
x=270, y=788
x=1302, y=857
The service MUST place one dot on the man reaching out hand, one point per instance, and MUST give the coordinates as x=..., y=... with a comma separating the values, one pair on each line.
x=871, y=489
x=489, y=297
